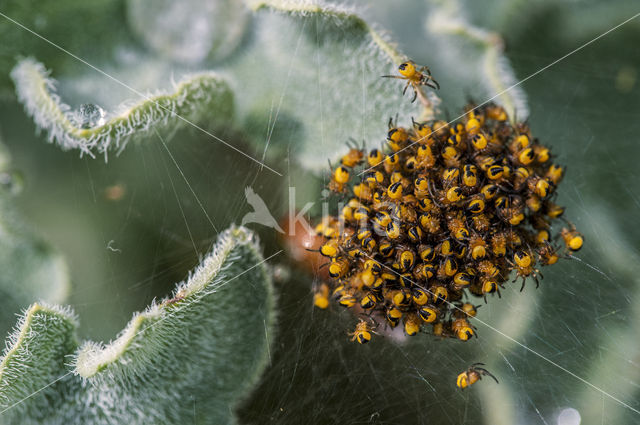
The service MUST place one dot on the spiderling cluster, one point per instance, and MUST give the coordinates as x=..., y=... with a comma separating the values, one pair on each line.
x=441, y=213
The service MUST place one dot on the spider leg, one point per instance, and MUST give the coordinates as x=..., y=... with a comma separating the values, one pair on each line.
x=415, y=95
x=432, y=195
x=425, y=69
x=507, y=190
x=487, y=373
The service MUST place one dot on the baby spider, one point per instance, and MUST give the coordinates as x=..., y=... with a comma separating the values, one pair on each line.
x=547, y=254
x=355, y=155
x=473, y=375
x=415, y=78
x=523, y=263
x=572, y=239
x=339, y=179
x=363, y=332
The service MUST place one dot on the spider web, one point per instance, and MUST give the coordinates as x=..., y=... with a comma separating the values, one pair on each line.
x=585, y=315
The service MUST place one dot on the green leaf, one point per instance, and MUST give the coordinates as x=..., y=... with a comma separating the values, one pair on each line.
x=474, y=58
x=188, y=358
x=580, y=21
x=93, y=36
x=190, y=30
x=34, y=359
x=31, y=268
x=619, y=342
x=319, y=82
x=197, y=96
x=311, y=79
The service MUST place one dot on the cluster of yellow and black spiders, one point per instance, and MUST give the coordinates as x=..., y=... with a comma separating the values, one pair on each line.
x=441, y=213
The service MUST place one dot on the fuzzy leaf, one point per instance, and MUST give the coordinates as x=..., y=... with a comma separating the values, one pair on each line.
x=197, y=96
x=31, y=269
x=190, y=30
x=33, y=359
x=620, y=342
x=186, y=359
x=580, y=21
x=92, y=36
x=311, y=79
x=486, y=73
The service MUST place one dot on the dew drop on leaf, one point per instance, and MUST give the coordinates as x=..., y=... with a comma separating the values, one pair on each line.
x=89, y=115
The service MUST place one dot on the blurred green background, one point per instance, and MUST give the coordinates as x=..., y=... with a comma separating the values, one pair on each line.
x=122, y=253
